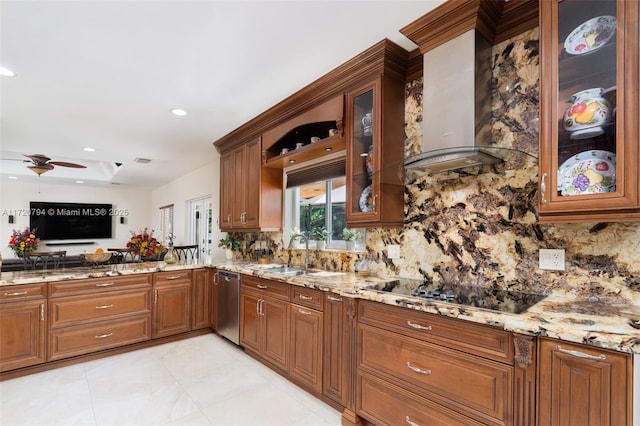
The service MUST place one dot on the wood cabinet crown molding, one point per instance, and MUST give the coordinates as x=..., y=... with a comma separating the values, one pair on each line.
x=385, y=57
x=496, y=20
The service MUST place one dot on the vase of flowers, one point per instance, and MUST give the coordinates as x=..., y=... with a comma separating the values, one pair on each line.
x=144, y=244
x=24, y=241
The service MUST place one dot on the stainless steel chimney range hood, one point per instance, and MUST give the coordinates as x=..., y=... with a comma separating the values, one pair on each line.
x=454, y=40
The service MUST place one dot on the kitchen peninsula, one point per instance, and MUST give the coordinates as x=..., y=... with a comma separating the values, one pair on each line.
x=557, y=322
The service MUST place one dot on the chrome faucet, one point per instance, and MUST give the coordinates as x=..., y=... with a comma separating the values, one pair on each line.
x=306, y=247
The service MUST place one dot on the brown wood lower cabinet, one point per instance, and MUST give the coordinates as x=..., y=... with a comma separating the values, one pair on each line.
x=583, y=386
x=22, y=326
x=336, y=349
x=201, y=294
x=171, y=303
x=414, y=358
x=306, y=337
x=264, y=319
x=99, y=313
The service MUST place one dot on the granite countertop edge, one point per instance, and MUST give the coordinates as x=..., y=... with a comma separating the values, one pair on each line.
x=602, y=325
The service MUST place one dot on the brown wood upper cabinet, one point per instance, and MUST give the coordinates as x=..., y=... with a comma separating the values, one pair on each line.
x=248, y=191
x=375, y=147
x=589, y=84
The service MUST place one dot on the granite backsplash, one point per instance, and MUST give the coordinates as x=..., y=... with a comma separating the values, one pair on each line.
x=480, y=227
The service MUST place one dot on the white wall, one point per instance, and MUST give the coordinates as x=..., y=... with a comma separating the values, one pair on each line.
x=15, y=197
x=142, y=204
x=200, y=183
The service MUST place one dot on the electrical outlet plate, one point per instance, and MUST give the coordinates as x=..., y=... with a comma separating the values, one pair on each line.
x=393, y=251
x=551, y=259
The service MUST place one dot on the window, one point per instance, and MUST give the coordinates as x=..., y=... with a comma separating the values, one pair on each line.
x=311, y=202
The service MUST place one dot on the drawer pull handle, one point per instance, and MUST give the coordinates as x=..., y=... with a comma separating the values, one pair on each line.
x=104, y=336
x=303, y=297
x=579, y=354
x=303, y=312
x=334, y=299
x=173, y=277
x=416, y=369
x=543, y=189
x=104, y=284
x=418, y=326
x=104, y=306
x=17, y=293
x=261, y=286
x=408, y=420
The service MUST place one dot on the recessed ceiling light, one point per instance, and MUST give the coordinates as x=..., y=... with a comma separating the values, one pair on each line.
x=88, y=149
x=79, y=181
x=178, y=112
x=13, y=177
x=7, y=72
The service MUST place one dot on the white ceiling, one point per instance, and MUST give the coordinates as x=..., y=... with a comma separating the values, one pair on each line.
x=105, y=74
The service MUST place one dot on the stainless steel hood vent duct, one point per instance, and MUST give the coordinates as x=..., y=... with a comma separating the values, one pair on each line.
x=457, y=108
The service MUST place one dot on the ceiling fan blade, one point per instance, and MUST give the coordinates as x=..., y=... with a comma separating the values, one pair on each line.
x=38, y=159
x=14, y=159
x=65, y=164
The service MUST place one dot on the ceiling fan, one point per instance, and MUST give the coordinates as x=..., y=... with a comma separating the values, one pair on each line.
x=40, y=164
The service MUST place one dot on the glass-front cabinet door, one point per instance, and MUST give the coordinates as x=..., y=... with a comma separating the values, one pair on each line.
x=375, y=145
x=589, y=110
x=364, y=191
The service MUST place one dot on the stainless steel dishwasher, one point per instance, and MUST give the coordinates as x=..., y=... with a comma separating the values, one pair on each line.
x=228, y=304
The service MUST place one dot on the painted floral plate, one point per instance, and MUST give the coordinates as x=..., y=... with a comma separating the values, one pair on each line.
x=588, y=172
x=366, y=200
x=590, y=35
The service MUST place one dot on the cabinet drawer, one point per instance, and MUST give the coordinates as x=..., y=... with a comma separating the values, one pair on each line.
x=272, y=288
x=385, y=404
x=471, y=385
x=96, y=285
x=309, y=297
x=477, y=339
x=75, y=309
x=171, y=276
x=19, y=293
x=72, y=341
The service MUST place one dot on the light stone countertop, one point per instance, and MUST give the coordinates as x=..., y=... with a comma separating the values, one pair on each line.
x=559, y=315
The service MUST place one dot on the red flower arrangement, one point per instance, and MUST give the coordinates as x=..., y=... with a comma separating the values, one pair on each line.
x=23, y=241
x=144, y=243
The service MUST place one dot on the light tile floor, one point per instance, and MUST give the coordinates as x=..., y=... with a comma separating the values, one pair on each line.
x=203, y=380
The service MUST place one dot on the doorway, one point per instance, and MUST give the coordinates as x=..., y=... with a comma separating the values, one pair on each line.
x=200, y=225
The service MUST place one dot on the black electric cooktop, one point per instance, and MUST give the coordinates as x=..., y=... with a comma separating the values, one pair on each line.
x=485, y=298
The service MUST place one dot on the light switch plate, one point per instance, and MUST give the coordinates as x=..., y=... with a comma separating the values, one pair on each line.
x=551, y=259
x=393, y=251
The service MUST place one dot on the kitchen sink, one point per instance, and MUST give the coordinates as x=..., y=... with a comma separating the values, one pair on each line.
x=286, y=270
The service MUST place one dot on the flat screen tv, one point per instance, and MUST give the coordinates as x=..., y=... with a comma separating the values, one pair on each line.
x=71, y=221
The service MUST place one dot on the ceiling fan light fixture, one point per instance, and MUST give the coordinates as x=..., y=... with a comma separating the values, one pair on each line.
x=40, y=169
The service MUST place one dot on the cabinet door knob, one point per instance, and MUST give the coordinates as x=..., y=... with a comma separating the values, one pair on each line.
x=417, y=369
x=104, y=336
x=579, y=354
x=408, y=420
x=418, y=326
x=16, y=293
